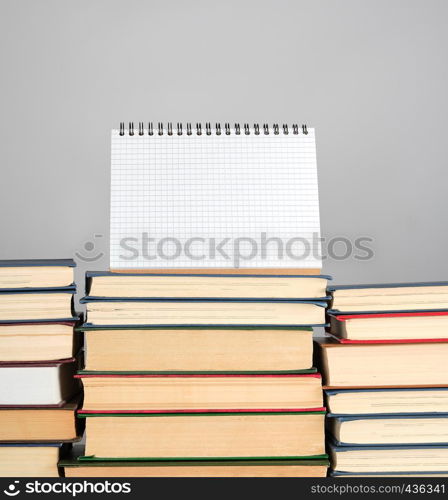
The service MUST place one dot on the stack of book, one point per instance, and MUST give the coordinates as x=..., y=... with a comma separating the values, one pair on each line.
x=386, y=379
x=37, y=364
x=201, y=375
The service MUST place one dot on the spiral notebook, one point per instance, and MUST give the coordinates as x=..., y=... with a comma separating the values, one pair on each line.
x=188, y=197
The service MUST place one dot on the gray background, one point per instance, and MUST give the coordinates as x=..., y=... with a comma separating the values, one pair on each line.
x=370, y=76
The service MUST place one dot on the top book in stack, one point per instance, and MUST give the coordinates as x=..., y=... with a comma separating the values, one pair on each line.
x=389, y=312
x=397, y=297
x=205, y=299
x=36, y=290
x=405, y=326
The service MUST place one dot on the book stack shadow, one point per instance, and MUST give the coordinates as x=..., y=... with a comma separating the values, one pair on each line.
x=38, y=393
x=385, y=372
x=196, y=375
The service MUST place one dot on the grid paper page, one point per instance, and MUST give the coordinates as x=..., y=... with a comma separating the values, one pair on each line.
x=214, y=201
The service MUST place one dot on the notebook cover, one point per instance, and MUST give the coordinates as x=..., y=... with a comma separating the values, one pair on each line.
x=38, y=263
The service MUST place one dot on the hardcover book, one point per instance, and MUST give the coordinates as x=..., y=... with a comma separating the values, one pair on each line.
x=397, y=401
x=44, y=273
x=206, y=286
x=365, y=430
x=30, y=459
x=198, y=349
x=109, y=393
x=383, y=365
x=124, y=311
x=37, y=304
x=38, y=341
x=389, y=459
x=204, y=436
x=392, y=326
x=190, y=468
x=389, y=297
x=40, y=423
x=37, y=383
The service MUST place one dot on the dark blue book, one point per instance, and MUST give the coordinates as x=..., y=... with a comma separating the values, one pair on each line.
x=391, y=459
x=198, y=285
x=392, y=401
x=389, y=297
x=389, y=430
x=37, y=305
x=203, y=312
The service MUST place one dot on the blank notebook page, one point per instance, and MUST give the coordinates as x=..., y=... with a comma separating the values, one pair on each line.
x=214, y=201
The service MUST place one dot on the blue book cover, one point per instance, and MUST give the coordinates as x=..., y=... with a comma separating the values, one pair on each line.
x=38, y=263
x=336, y=473
x=335, y=447
x=31, y=445
x=351, y=418
x=388, y=285
x=336, y=312
x=23, y=291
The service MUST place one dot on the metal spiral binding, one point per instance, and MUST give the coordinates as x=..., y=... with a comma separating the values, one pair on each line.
x=295, y=129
